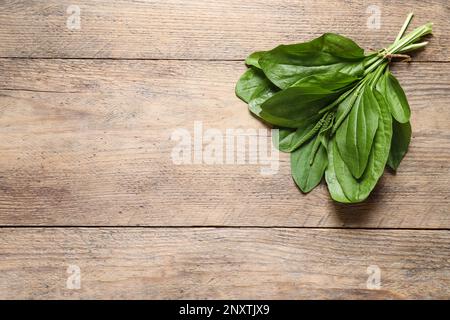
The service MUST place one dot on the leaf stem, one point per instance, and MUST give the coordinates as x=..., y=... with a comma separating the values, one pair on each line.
x=414, y=46
x=337, y=101
x=374, y=66
x=401, y=44
x=377, y=74
x=410, y=38
x=373, y=59
x=404, y=27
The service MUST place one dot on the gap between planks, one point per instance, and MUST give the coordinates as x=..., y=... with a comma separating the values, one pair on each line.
x=174, y=59
x=213, y=227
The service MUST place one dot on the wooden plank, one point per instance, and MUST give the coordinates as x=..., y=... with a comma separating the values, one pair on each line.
x=223, y=263
x=201, y=29
x=88, y=143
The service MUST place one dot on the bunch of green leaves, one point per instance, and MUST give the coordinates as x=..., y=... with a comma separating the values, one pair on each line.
x=340, y=112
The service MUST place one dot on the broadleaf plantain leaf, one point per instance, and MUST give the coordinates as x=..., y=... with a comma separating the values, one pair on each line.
x=357, y=190
x=396, y=98
x=327, y=54
x=307, y=169
x=401, y=137
x=355, y=136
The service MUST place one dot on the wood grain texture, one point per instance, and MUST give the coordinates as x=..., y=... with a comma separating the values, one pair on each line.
x=201, y=29
x=200, y=263
x=87, y=142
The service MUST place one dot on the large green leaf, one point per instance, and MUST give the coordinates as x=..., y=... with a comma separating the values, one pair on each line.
x=308, y=165
x=401, y=136
x=396, y=98
x=328, y=54
x=334, y=81
x=255, y=105
x=334, y=187
x=296, y=106
x=282, y=138
x=252, y=84
x=355, y=136
x=345, y=107
x=291, y=139
x=253, y=59
x=357, y=190
x=254, y=88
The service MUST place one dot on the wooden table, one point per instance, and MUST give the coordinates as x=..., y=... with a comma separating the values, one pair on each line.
x=89, y=191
